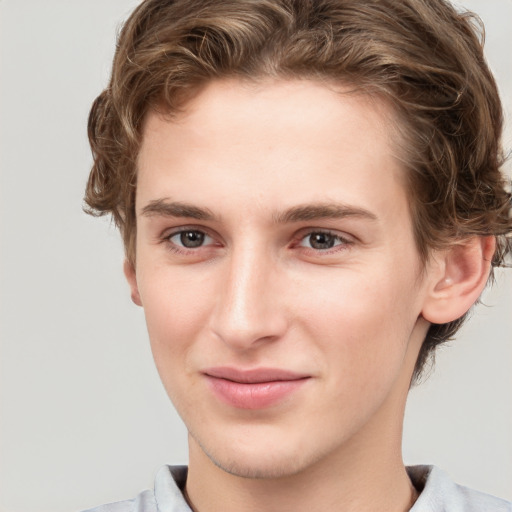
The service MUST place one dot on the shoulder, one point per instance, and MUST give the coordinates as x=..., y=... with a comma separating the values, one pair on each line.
x=441, y=494
x=144, y=502
x=166, y=495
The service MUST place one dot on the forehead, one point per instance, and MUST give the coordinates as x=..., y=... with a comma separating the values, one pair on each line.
x=286, y=142
x=232, y=106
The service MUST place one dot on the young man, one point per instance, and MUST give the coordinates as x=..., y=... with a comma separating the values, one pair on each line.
x=310, y=197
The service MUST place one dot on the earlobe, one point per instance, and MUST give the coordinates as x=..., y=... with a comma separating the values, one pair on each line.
x=458, y=279
x=129, y=272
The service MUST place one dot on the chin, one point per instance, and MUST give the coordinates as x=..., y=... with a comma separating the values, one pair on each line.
x=258, y=462
x=259, y=469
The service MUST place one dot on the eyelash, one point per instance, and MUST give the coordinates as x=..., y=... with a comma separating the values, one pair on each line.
x=181, y=249
x=341, y=243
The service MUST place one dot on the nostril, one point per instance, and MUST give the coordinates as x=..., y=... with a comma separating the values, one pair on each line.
x=247, y=311
x=247, y=328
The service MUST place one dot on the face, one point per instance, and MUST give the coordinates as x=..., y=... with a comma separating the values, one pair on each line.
x=277, y=268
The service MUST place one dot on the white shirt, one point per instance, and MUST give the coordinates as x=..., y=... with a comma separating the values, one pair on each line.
x=439, y=494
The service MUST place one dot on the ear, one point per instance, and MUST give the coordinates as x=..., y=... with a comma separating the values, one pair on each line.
x=129, y=272
x=459, y=276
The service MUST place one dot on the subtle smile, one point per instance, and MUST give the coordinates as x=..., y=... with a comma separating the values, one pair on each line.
x=253, y=389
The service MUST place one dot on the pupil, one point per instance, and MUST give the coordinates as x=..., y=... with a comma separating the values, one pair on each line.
x=192, y=238
x=321, y=240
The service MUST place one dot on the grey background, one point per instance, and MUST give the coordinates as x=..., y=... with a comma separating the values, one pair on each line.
x=84, y=418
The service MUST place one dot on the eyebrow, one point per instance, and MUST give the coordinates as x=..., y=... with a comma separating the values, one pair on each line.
x=317, y=211
x=300, y=213
x=166, y=208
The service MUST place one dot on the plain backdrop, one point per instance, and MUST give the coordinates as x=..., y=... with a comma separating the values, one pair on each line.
x=84, y=418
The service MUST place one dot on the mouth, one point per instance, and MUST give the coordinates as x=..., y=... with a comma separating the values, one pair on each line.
x=253, y=389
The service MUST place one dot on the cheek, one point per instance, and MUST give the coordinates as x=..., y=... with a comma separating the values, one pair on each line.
x=353, y=300
x=362, y=323
x=176, y=309
x=175, y=312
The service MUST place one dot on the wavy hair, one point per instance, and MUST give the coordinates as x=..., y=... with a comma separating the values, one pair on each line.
x=423, y=57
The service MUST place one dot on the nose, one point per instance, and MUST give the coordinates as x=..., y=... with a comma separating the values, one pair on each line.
x=249, y=310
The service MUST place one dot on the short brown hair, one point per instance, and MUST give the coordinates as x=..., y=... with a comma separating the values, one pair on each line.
x=422, y=56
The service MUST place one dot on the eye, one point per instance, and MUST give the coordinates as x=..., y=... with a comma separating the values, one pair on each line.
x=190, y=239
x=322, y=240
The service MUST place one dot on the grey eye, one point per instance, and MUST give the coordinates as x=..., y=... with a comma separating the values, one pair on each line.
x=321, y=241
x=190, y=239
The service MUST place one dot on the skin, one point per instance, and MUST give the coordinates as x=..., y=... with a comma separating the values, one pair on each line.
x=240, y=169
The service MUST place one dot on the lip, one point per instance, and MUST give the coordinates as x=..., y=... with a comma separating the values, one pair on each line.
x=255, y=388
